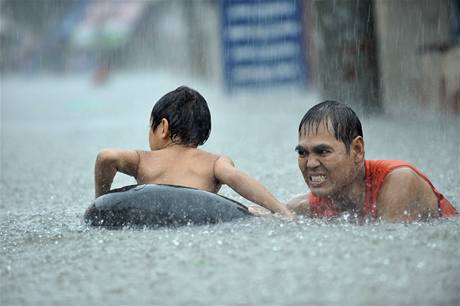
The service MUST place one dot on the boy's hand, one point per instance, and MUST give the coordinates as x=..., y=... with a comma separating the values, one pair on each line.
x=258, y=211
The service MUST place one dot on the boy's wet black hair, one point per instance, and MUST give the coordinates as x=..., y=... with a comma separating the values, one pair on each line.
x=344, y=121
x=188, y=116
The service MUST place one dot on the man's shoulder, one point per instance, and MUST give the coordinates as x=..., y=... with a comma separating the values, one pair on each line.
x=300, y=204
x=399, y=181
x=307, y=199
x=378, y=171
x=312, y=205
x=387, y=164
x=405, y=195
x=402, y=177
x=394, y=172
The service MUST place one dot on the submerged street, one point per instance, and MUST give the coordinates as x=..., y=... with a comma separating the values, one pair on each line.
x=52, y=129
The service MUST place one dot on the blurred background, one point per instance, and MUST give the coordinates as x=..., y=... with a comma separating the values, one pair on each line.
x=389, y=56
x=78, y=76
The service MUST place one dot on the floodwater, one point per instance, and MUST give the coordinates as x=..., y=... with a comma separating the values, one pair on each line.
x=52, y=129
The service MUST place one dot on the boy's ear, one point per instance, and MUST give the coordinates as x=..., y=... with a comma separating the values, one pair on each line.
x=357, y=147
x=164, y=128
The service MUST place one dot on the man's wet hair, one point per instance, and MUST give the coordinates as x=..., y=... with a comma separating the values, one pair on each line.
x=188, y=116
x=342, y=118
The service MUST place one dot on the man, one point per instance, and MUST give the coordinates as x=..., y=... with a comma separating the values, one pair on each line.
x=331, y=159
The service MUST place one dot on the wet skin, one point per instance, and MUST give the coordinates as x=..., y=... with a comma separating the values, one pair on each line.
x=173, y=163
x=328, y=168
x=331, y=171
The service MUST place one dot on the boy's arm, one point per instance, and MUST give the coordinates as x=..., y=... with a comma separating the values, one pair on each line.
x=406, y=197
x=246, y=186
x=109, y=162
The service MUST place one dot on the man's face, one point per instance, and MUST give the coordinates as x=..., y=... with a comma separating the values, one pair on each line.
x=327, y=167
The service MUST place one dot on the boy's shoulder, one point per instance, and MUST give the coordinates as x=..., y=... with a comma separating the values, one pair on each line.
x=202, y=154
x=191, y=153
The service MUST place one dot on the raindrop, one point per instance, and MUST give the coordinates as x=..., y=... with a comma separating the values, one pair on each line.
x=420, y=265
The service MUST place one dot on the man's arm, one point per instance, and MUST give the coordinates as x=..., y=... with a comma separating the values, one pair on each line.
x=299, y=205
x=406, y=197
x=109, y=162
x=246, y=186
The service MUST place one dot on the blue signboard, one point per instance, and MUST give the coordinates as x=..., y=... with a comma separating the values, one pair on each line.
x=455, y=4
x=262, y=43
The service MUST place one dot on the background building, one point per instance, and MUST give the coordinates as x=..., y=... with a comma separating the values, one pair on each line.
x=387, y=56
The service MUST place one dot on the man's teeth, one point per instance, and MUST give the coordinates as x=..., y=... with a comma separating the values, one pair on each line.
x=318, y=178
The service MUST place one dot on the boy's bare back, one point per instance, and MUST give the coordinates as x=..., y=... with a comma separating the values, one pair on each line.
x=180, y=122
x=178, y=165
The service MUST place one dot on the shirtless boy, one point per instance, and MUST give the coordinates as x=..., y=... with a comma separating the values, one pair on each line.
x=331, y=159
x=180, y=121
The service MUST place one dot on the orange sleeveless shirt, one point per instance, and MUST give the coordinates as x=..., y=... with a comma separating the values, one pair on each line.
x=376, y=171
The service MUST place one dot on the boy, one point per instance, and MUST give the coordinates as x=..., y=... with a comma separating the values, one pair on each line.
x=180, y=122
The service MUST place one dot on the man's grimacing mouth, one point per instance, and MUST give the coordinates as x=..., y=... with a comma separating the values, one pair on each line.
x=319, y=178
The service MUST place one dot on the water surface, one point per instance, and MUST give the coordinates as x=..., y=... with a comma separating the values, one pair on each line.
x=52, y=129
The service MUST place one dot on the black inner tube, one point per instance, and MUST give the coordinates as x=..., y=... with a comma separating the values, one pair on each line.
x=154, y=205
